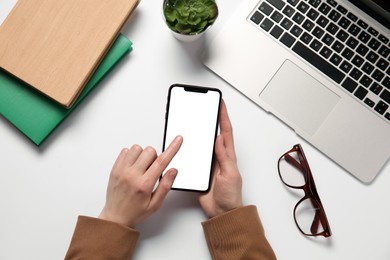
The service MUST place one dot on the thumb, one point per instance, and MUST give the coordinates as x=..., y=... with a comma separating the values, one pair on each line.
x=221, y=153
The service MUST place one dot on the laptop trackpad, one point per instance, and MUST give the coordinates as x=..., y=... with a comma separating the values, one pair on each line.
x=299, y=98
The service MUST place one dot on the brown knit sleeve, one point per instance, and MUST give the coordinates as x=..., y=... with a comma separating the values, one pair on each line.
x=237, y=234
x=99, y=239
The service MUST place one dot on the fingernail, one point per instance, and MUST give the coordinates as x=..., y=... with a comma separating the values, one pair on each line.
x=178, y=139
x=173, y=173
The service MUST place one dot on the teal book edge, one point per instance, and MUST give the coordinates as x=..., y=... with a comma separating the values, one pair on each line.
x=35, y=115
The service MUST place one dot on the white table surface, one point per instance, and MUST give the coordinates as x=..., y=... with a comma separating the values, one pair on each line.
x=43, y=190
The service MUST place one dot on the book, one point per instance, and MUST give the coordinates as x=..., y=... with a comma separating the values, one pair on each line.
x=35, y=115
x=47, y=44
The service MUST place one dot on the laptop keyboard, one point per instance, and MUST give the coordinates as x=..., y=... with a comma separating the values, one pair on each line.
x=335, y=41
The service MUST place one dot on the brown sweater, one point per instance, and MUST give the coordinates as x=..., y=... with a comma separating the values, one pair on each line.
x=237, y=234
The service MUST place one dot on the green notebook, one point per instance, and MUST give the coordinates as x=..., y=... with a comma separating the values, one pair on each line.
x=35, y=115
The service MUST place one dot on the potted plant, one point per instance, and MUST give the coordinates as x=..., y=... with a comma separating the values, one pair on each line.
x=188, y=19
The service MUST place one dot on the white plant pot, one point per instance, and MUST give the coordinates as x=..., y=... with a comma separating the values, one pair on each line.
x=183, y=37
x=186, y=37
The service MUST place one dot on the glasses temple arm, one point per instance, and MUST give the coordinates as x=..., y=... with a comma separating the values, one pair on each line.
x=293, y=162
x=316, y=222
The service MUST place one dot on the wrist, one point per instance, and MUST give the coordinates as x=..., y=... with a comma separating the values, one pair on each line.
x=221, y=211
x=114, y=218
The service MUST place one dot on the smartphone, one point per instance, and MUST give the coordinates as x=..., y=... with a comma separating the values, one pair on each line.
x=193, y=113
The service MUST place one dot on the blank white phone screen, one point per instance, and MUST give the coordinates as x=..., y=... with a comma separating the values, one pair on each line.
x=193, y=115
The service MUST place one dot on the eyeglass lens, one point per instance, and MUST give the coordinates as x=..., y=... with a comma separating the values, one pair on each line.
x=308, y=217
x=291, y=170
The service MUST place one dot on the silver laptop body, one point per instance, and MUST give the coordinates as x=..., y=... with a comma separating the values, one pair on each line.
x=347, y=129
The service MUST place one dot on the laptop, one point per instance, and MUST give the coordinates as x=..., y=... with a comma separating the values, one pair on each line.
x=55, y=46
x=320, y=66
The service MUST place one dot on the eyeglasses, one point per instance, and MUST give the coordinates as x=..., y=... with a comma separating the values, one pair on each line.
x=309, y=214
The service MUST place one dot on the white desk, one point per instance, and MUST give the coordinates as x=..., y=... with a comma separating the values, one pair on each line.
x=43, y=190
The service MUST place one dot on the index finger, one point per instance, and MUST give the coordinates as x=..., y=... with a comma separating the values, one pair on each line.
x=163, y=160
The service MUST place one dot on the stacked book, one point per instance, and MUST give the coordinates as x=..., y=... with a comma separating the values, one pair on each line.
x=53, y=54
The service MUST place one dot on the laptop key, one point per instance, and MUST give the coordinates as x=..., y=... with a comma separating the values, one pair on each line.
x=287, y=39
x=386, y=83
x=288, y=11
x=347, y=53
x=328, y=39
x=332, y=28
x=315, y=3
x=366, y=81
x=344, y=22
x=384, y=51
x=303, y=7
x=387, y=115
x=293, y=2
x=354, y=30
x=276, y=16
x=373, y=31
x=342, y=9
x=352, y=17
x=349, y=84
x=368, y=68
x=362, y=50
x=324, y=8
x=364, y=37
x=277, y=3
x=318, y=62
x=338, y=46
x=298, y=18
x=312, y=14
x=276, y=31
x=266, y=8
x=316, y=45
x=382, y=64
x=257, y=17
x=381, y=107
x=326, y=52
x=385, y=96
x=362, y=24
x=322, y=21
x=352, y=42
x=306, y=38
x=376, y=88
x=372, y=56
x=296, y=31
x=361, y=93
x=318, y=32
x=374, y=44
x=332, y=3
x=356, y=74
x=357, y=60
x=342, y=35
x=308, y=25
x=383, y=39
x=346, y=66
x=335, y=59
x=334, y=16
x=378, y=75
x=266, y=24
x=286, y=23
x=369, y=102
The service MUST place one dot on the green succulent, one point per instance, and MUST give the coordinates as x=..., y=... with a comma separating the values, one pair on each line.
x=190, y=16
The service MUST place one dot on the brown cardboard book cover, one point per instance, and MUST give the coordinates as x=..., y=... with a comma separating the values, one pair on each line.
x=56, y=45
